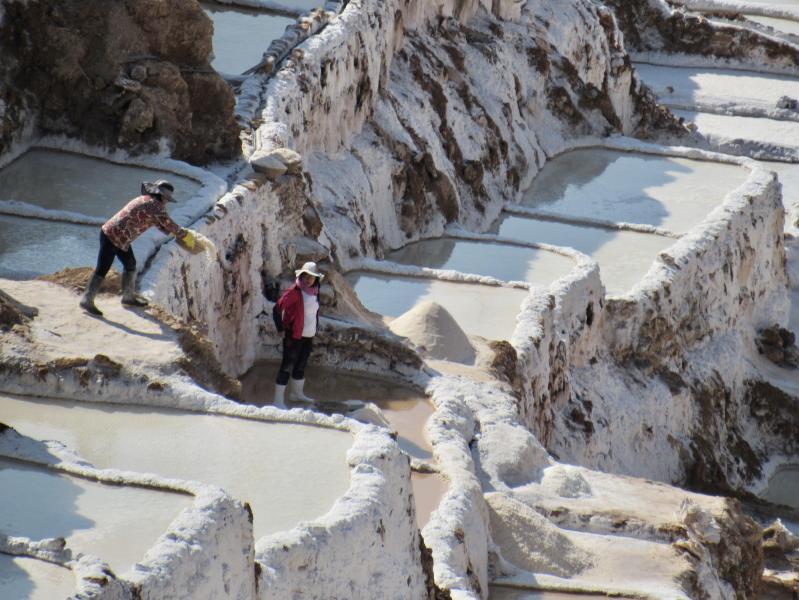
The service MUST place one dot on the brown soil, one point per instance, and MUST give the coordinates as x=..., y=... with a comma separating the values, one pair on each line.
x=76, y=279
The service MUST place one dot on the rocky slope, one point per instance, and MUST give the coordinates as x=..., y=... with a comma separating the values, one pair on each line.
x=116, y=74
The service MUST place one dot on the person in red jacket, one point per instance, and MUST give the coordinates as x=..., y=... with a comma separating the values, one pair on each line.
x=118, y=233
x=299, y=308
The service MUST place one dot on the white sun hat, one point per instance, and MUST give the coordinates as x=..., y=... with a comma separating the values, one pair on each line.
x=311, y=269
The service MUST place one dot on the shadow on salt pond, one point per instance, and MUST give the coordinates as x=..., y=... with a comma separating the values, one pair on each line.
x=664, y=191
x=620, y=268
x=39, y=503
x=783, y=487
x=242, y=35
x=33, y=579
x=219, y=450
x=406, y=409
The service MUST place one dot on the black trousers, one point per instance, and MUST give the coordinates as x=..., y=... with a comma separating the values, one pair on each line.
x=295, y=358
x=105, y=258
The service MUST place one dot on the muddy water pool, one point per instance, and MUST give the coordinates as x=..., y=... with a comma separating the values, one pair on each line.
x=624, y=257
x=405, y=407
x=482, y=310
x=254, y=461
x=241, y=35
x=81, y=184
x=783, y=487
x=31, y=247
x=595, y=183
x=503, y=261
x=93, y=517
x=34, y=579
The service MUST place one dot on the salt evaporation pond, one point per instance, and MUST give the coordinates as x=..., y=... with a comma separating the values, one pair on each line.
x=31, y=247
x=780, y=25
x=502, y=261
x=33, y=579
x=723, y=128
x=93, y=517
x=783, y=487
x=624, y=257
x=686, y=86
x=668, y=192
x=405, y=407
x=483, y=310
x=496, y=592
x=288, y=473
x=81, y=184
x=242, y=35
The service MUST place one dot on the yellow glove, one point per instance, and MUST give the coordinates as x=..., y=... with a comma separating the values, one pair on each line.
x=187, y=240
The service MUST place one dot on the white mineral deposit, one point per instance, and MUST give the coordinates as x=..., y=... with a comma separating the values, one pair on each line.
x=779, y=25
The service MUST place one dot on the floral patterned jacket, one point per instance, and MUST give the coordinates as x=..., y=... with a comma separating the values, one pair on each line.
x=135, y=218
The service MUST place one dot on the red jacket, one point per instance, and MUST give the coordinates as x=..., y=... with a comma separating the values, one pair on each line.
x=293, y=311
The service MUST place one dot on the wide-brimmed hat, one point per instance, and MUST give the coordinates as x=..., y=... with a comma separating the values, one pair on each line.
x=161, y=188
x=311, y=269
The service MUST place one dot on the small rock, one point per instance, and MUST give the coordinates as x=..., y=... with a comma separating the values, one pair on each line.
x=128, y=84
x=138, y=73
x=290, y=158
x=787, y=102
x=271, y=166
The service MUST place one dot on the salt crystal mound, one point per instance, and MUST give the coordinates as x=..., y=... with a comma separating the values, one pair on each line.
x=430, y=327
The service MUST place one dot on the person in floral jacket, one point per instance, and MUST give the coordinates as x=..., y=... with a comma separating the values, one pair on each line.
x=117, y=234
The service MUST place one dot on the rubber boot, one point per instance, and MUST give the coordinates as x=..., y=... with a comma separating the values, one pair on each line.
x=280, y=396
x=87, y=302
x=296, y=394
x=129, y=295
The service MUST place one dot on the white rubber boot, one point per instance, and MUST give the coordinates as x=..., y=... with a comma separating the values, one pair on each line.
x=280, y=396
x=296, y=393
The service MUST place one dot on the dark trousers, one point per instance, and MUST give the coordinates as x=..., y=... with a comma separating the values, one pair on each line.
x=108, y=251
x=295, y=353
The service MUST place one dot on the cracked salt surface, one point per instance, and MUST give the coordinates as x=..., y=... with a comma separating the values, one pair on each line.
x=482, y=310
x=39, y=503
x=222, y=451
x=503, y=261
x=34, y=579
x=23, y=255
x=783, y=487
x=672, y=193
x=82, y=184
x=242, y=35
x=620, y=268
